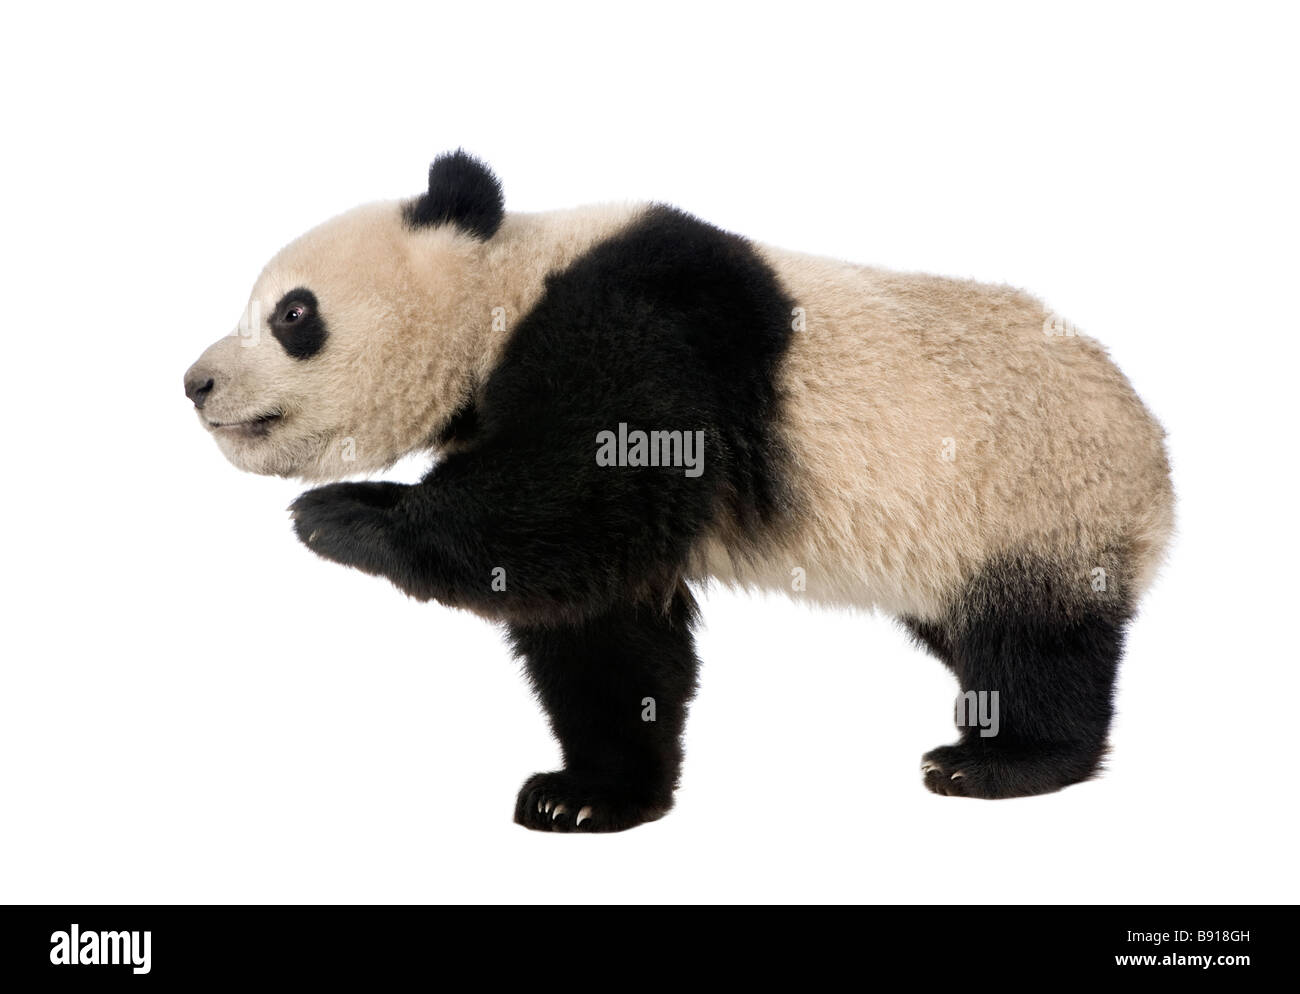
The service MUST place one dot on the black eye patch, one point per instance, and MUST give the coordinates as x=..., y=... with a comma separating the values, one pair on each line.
x=297, y=325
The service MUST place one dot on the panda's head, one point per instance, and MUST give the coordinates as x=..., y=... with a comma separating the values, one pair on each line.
x=355, y=345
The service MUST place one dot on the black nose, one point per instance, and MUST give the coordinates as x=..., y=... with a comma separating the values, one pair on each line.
x=198, y=384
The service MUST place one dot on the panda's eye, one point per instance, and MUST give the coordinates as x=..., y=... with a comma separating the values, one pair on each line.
x=296, y=323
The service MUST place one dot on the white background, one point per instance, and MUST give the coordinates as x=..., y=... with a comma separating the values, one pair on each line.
x=193, y=708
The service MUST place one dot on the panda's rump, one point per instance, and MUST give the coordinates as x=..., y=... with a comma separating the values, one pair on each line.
x=932, y=426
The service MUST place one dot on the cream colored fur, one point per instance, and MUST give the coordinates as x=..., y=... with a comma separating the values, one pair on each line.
x=412, y=332
x=931, y=423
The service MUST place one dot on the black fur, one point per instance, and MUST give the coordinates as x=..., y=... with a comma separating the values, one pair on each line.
x=671, y=325
x=1049, y=644
x=616, y=688
x=297, y=324
x=462, y=191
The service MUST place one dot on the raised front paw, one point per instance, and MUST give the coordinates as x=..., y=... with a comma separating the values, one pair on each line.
x=570, y=802
x=349, y=523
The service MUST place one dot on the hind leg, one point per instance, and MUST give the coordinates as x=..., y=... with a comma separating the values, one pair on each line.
x=615, y=688
x=1035, y=650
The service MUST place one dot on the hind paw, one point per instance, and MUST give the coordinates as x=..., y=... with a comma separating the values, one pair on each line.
x=966, y=771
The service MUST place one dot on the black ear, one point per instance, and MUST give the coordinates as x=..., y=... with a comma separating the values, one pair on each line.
x=462, y=191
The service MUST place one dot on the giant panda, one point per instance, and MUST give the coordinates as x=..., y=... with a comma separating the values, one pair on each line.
x=626, y=402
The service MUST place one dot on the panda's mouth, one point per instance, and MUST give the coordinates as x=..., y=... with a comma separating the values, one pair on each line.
x=251, y=428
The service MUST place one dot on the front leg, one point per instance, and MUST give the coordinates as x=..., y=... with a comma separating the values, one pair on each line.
x=431, y=540
x=615, y=687
x=354, y=524
x=514, y=533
